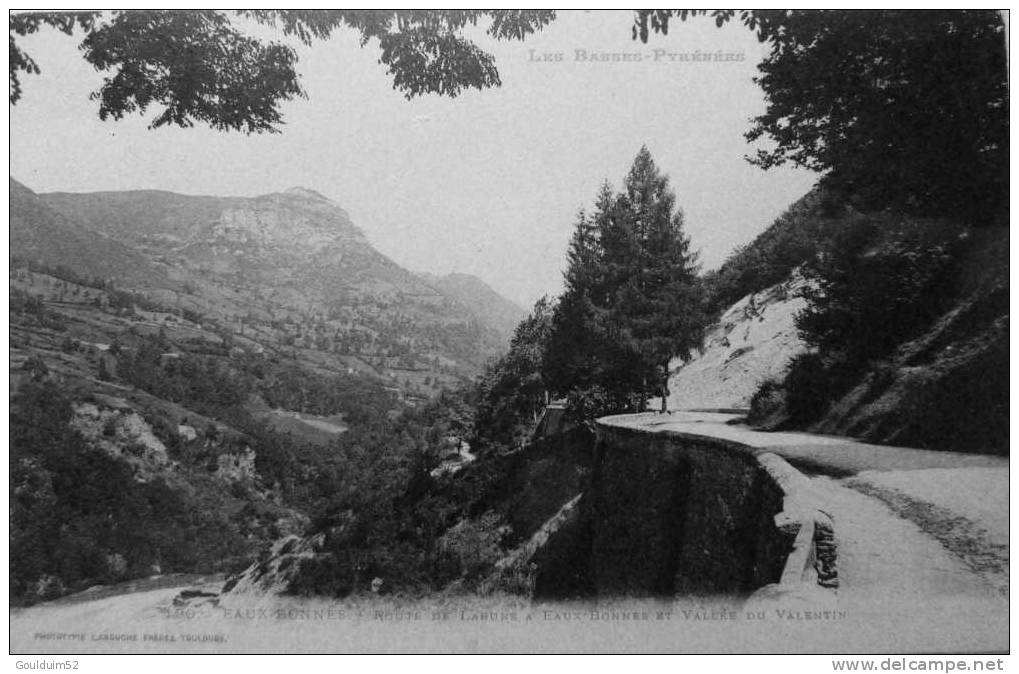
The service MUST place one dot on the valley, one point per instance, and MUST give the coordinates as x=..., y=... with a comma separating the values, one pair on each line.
x=759, y=402
x=216, y=357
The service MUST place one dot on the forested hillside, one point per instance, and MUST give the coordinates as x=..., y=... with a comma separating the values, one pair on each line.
x=214, y=374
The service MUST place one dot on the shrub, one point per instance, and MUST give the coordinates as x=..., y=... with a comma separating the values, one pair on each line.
x=808, y=391
x=596, y=401
x=767, y=402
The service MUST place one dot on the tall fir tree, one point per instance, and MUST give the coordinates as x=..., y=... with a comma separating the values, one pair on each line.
x=658, y=309
x=571, y=352
x=632, y=299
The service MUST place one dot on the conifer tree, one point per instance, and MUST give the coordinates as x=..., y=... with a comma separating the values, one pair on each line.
x=570, y=355
x=632, y=299
x=657, y=312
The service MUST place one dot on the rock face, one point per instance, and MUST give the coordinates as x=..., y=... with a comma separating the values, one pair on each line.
x=306, y=565
x=277, y=571
x=281, y=236
x=518, y=571
x=123, y=434
x=753, y=341
x=237, y=467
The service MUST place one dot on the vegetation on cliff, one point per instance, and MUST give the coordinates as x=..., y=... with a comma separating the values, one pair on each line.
x=80, y=517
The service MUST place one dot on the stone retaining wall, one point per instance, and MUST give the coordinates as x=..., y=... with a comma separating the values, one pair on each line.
x=670, y=513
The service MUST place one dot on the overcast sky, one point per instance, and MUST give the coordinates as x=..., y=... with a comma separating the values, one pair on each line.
x=487, y=183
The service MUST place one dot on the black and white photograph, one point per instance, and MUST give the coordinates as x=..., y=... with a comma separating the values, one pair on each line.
x=510, y=331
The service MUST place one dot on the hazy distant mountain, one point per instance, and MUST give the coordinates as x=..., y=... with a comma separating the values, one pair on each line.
x=141, y=218
x=295, y=238
x=479, y=298
x=43, y=235
x=296, y=256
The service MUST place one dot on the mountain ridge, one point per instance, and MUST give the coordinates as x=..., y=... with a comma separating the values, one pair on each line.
x=480, y=297
x=287, y=256
x=43, y=235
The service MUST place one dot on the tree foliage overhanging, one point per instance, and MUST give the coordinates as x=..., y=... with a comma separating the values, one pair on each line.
x=905, y=110
x=202, y=65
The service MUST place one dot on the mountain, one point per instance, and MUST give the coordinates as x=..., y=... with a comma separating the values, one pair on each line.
x=293, y=268
x=294, y=235
x=145, y=219
x=215, y=373
x=41, y=235
x=484, y=303
x=296, y=238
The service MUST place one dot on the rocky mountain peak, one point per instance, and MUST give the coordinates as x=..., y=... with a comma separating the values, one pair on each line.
x=305, y=193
